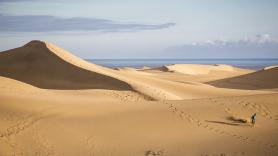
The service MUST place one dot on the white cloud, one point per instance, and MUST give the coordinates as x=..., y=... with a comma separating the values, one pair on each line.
x=258, y=39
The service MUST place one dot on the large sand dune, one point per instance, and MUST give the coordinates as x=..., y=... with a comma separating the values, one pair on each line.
x=46, y=66
x=55, y=104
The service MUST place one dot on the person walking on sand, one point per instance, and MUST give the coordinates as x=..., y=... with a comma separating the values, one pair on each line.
x=253, y=119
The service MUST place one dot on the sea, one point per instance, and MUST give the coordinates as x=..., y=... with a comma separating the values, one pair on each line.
x=255, y=64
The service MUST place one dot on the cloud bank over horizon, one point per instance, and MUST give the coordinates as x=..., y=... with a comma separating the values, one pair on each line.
x=39, y=23
x=260, y=46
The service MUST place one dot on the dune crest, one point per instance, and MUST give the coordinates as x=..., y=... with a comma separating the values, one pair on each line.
x=47, y=66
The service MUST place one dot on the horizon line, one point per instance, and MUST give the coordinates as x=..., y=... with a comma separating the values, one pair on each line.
x=180, y=58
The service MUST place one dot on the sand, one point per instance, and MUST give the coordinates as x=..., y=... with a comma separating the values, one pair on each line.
x=54, y=103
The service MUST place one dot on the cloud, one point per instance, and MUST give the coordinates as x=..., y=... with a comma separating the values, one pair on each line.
x=260, y=39
x=259, y=46
x=31, y=23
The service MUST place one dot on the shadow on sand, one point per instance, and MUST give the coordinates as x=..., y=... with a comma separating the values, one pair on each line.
x=233, y=121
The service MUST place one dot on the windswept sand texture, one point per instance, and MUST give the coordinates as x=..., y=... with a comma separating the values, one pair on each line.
x=53, y=103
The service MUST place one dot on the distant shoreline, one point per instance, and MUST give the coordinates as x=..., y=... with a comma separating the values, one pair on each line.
x=254, y=64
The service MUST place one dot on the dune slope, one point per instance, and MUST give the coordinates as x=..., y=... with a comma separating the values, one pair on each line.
x=46, y=66
x=262, y=79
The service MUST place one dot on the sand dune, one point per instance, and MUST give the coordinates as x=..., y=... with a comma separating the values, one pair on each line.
x=46, y=66
x=263, y=79
x=165, y=88
x=198, y=73
x=144, y=68
x=162, y=89
x=196, y=69
x=54, y=103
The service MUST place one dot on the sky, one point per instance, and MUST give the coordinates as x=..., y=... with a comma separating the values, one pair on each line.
x=95, y=29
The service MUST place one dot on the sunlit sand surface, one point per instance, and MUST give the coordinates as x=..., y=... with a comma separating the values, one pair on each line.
x=54, y=103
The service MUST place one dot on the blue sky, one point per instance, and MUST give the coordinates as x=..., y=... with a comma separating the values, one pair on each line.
x=145, y=28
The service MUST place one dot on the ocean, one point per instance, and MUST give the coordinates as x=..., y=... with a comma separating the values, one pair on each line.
x=254, y=64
